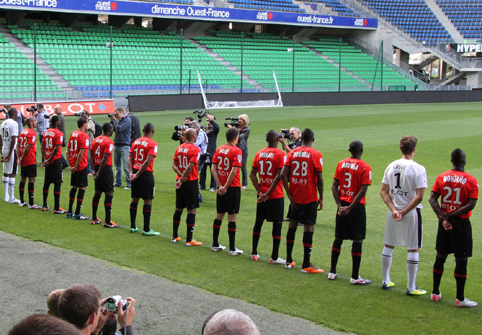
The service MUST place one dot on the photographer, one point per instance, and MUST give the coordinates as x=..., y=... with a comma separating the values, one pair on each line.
x=42, y=119
x=212, y=131
x=295, y=136
x=243, y=145
x=202, y=144
x=90, y=131
x=58, y=112
x=122, y=140
x=179, y=134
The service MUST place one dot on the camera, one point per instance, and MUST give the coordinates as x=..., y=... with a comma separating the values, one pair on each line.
x=109, y=115
x=78, y=114
x=112, y=302
x=234, y=122
x=46, y=116
x=201, y=113
x=182, y=128
x=286, y=134
x=32, y=109
x=3, y=110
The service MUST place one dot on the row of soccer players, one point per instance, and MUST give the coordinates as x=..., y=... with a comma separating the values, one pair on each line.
x=300, y=173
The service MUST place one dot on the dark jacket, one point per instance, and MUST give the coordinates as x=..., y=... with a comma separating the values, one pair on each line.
x=122, y=130
x=243, y=139
x=136, y=128
x=212, y=133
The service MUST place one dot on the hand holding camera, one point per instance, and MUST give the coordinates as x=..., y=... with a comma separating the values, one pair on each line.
x=234, y=122
x=126, y=316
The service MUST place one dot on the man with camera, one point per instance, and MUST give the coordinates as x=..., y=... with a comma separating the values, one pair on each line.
x=122, y=141
x=294, y=134
x=58, y=112
x=42, y=119
x=202, y=144
x=178, y=135
x=8, y=143
x=81, y=306
x=212, y=131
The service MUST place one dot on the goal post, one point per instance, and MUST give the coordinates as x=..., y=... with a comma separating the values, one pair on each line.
x=241, y=104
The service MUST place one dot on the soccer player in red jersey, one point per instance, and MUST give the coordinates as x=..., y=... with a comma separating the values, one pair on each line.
x=140, y=162
x=350, y=184
x=52, y=151
x=77, y=156
x=459, y=192
x=268, y=164
x=302, y=178
x=27, y=159
x=185, y=164
x=101, y=159
x=227, y=161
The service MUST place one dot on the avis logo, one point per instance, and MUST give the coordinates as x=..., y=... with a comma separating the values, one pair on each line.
x=361, y=22
x=105, y=5
x=265, y=16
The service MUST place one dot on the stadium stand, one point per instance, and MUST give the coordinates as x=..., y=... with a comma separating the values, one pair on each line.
x=362, y=65
x=466, y=16
x=338, y=7
x=143, y=60
x=17, y=71
x=413, y=17
x=274, y=5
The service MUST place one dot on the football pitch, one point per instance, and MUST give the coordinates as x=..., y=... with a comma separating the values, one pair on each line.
x=440, y=128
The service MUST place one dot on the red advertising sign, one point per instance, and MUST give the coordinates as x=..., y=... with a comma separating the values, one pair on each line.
x=69, y=107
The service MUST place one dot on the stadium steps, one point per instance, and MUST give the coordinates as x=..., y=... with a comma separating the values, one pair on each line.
x=307, y=7
x=228, y=65
x=426, y=62
x=41, y=64
x=322, y=7
x=445, y=21
x=335, y=64
x=454, y=79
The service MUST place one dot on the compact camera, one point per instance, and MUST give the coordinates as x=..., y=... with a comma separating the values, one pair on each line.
x=112, y=302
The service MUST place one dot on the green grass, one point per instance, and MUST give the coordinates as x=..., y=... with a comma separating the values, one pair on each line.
x=366, y=310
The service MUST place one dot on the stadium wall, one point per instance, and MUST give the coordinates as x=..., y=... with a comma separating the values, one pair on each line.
x=144, y=103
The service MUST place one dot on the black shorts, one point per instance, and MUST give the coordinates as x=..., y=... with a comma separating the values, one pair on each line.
x=28, y=171
x=143, y=187
x=304, y=214
x=188, y=195
x=271, y=210
x=53, y=172
x=353, y=226
x=457, y=241
x=105, y=182
x=229, y=202
x=79, y=178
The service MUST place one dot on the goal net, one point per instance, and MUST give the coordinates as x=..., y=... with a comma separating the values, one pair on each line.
x=241, y=104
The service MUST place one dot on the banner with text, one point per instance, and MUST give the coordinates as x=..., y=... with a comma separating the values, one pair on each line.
x=191, y=12
x=69, y=107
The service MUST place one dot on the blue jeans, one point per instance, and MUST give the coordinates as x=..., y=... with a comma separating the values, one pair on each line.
x=120, y=159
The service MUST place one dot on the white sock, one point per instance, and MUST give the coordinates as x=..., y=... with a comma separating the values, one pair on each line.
x=386, y=264
x=11, y=183
x=412, y=268
x=5, y=187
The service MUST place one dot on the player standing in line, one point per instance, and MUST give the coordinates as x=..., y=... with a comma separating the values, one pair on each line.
x=8, y=143
x=302, y=177
x=77, y=156
x=459, y=191
x=27, y=159
x=185, y=164
x=227, y=161
x=268, y=162
x=350, y=184
x=403, y=186
x=52, y=151
x=101, y=159
x=140, y=162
